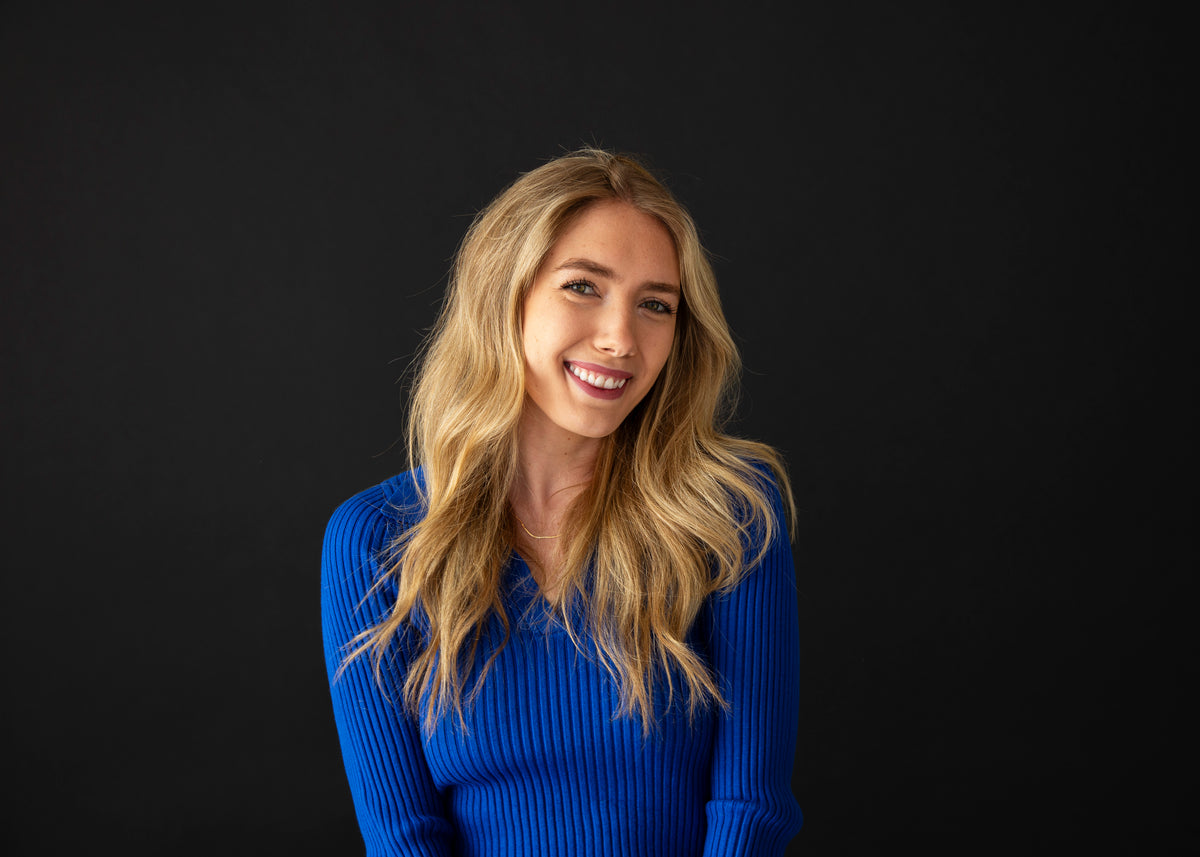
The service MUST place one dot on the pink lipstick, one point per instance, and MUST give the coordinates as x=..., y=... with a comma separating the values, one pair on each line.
x=599, y=382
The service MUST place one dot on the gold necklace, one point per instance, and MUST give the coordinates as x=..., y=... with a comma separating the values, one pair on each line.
x=531, y=535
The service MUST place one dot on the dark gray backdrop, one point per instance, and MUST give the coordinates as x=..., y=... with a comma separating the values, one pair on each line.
x=942, y=237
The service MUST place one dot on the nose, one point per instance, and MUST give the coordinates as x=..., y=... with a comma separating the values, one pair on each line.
x=617, y=332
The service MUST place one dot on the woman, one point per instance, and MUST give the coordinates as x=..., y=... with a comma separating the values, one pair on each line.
x=571, y=628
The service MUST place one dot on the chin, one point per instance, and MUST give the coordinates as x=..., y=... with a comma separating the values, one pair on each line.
x=595, y=431
x=581, y=421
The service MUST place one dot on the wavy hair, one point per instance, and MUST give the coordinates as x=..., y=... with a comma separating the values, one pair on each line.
x=672, y=503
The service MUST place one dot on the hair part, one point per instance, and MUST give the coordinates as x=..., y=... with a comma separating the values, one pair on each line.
x=665, y=519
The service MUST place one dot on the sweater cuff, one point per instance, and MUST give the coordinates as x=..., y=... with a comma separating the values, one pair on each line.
x=737, y=827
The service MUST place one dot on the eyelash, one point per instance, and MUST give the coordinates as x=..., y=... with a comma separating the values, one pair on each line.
x=666, y=309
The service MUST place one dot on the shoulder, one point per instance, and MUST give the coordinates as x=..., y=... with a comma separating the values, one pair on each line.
x=363, y=527
x=393, y=501
x=762, y=514
x=768, y=487
x=762, y=518
x=765, y=479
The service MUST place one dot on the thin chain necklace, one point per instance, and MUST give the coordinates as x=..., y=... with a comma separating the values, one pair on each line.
x=531, y=535
x=522, y=523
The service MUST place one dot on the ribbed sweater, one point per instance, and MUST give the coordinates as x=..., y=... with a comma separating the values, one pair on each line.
x=545, y=767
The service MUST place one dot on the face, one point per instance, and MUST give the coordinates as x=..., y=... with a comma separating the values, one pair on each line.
x=599, y=320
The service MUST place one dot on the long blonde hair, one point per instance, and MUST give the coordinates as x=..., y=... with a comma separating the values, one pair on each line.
x=663, y=523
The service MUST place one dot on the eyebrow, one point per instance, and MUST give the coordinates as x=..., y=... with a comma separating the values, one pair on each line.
x=608, y=273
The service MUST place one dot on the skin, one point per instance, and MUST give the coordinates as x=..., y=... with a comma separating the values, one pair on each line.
x=605, y=296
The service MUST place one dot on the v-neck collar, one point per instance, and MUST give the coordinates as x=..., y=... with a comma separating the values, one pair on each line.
x=530, y=608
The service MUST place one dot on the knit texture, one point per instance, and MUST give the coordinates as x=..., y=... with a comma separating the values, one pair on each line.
x=544, y=766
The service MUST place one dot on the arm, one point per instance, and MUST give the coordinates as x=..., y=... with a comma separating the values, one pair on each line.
x=398, y=806
x=755, y=650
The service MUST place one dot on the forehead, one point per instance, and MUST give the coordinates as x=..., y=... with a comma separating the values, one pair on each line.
x=618, y=236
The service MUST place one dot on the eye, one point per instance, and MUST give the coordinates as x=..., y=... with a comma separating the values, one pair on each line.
x=580, y=287
x=657, y=306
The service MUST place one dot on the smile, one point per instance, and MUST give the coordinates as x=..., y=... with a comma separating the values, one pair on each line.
x=603, y=382
x=595, y=381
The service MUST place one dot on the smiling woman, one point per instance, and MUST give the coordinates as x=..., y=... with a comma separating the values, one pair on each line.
x=570, y=628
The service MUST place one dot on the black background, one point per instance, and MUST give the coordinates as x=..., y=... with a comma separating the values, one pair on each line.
x=943, y=238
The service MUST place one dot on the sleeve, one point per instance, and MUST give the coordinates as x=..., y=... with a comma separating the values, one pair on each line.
x=755, y=651
x=398, y=805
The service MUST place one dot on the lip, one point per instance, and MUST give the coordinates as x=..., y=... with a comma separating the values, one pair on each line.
x=601, y=370
x=597, y=392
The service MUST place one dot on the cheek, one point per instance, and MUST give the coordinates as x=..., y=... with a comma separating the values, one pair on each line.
x=529, y=338
x=536, y=351
x=664, y=347
x=538, y=331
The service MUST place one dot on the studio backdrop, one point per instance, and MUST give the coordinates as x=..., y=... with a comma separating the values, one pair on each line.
x=225, y=231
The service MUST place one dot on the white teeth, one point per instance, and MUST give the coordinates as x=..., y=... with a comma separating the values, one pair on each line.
x=604, y=382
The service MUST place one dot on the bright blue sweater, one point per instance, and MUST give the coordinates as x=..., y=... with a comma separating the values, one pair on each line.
x=544, y=767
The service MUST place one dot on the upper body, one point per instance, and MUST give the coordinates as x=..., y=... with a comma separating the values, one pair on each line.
x=543, y=766
x=572, y=629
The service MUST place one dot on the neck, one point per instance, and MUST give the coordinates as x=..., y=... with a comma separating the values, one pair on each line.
x=553, y=466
